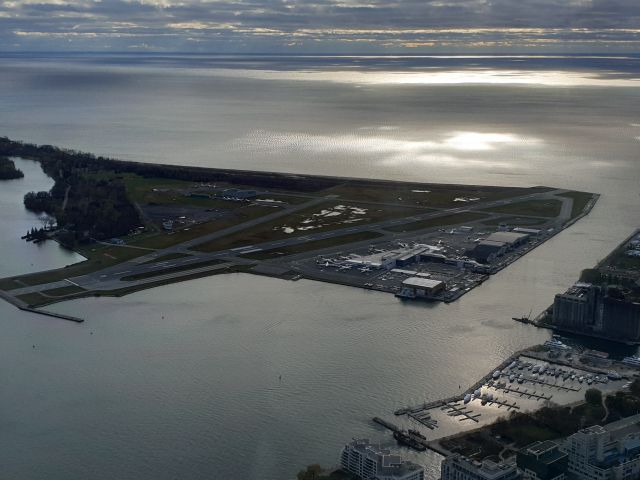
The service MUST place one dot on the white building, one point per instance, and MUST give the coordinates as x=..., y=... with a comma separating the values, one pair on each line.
x=419, y=287
x=611, y=453
x=370, y=463
x=457, y=467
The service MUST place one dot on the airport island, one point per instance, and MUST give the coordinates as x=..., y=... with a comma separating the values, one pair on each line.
x=141, y=225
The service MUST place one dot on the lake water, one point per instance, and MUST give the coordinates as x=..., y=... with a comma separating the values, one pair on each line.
x=183, y=381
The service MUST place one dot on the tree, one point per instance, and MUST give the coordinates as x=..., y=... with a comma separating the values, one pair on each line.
x=312, y=472
x=593, y=396
x=634, y=388
x=47, y=221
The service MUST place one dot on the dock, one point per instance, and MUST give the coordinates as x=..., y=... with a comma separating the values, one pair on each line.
x=387, y=425
x=395, y=428
x=527, y=393
x=461, y=411
x=424, y=418
x=486, y=380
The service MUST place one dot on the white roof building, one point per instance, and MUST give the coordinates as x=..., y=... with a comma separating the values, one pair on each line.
x=370, y=463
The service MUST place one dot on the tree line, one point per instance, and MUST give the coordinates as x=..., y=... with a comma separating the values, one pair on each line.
x=8, y=170
x=53, y=158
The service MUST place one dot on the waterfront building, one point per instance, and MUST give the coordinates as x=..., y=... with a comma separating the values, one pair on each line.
x=371, y=463
x=606, y=453
x=487, y=251
x=587, y=308
x=542, y=461
x=497, y=244
x=458, y=467
x=419, y=287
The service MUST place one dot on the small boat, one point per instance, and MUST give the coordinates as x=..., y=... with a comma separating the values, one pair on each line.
x=573, y=376
x=478, y=393
x=490, y=397
x=496, y=374
x=521, y=378
x=555, y=343
x=581, y=379
x=589, y=381
x=467, y=398
x=613, y=375
x=512, y=377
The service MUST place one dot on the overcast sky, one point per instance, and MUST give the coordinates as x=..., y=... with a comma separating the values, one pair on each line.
x=316, y=26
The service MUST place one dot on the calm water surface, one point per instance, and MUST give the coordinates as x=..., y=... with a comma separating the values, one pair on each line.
x=183, y=381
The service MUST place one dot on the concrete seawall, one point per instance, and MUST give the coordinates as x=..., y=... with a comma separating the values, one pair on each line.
x=26, y=308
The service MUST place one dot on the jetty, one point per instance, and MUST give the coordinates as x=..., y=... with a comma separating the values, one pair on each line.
x=25, y=308
x=397, y=429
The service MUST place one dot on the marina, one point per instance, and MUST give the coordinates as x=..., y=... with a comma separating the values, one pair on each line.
x=524, y=382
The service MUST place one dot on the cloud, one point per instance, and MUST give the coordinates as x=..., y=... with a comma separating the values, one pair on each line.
x=329, y=25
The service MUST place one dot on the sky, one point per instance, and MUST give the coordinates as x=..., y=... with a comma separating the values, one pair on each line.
x=322, y=26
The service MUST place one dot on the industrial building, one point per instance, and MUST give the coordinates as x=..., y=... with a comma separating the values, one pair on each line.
x=420, y=287
x=395, y=258
x=497, y=244
x=371, y=463
x=457, y=467
x=586, y=308
x=542, y=461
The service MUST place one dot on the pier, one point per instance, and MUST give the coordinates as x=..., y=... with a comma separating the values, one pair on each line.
x=25, y=308
x=526, y=393
x=461, y=411
x=424, y=418
x=60, y=316
x=395, y=428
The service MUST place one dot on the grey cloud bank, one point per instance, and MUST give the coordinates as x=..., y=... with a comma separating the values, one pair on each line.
x=330, y=26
